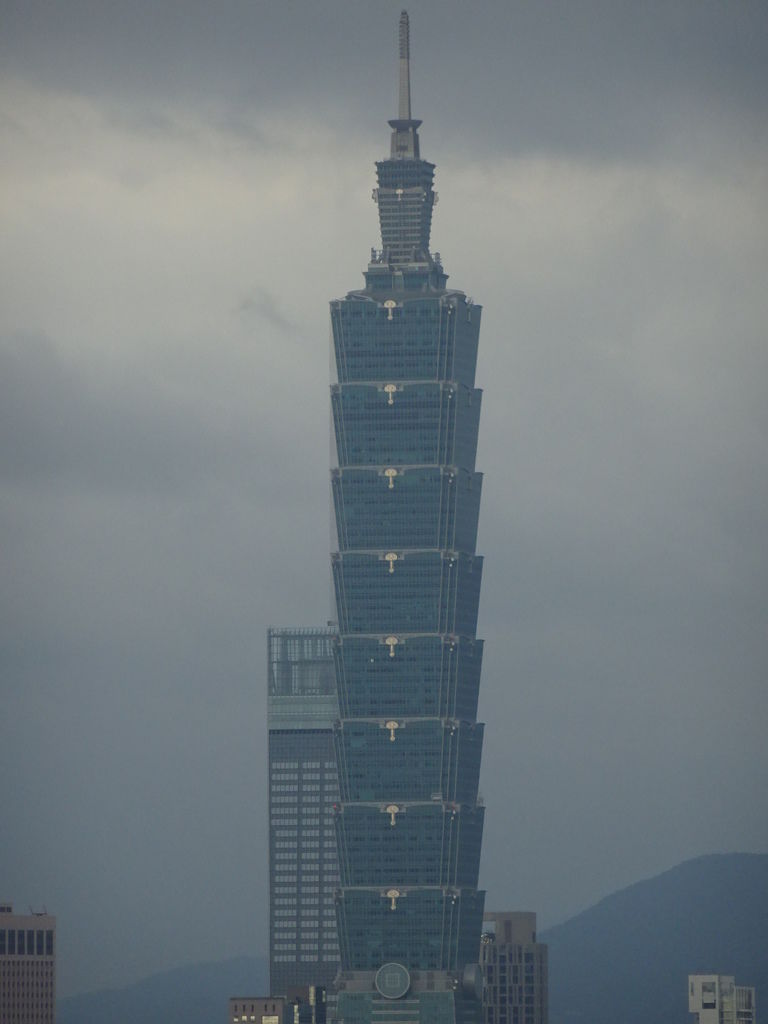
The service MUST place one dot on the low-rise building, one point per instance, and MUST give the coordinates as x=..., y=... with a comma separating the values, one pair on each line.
x=305, y=1004
x=257, y=1009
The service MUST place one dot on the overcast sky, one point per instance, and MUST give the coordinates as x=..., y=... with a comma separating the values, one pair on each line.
x=184, y=187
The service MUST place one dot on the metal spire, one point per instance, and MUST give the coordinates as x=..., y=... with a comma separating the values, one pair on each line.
x=405, y=138
x=404, y=94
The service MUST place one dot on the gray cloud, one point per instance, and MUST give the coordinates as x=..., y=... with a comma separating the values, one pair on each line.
x=260, y=303
x=73, y=424
x=596, y=76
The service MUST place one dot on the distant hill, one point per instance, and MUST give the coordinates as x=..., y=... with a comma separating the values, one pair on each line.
x=626, y=960
x=623, y=961
x=196, y=994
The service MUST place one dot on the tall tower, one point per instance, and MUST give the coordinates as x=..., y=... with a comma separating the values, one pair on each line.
x=407, y=583
x=303, y=870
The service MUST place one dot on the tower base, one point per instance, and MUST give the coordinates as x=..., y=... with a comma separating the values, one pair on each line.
x=432, y=997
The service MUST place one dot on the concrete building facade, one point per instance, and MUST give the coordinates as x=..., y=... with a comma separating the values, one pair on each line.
x=303, y=787
x=515, y=969
x=27, y=967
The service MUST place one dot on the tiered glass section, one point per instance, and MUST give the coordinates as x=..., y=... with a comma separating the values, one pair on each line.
x=407, y=583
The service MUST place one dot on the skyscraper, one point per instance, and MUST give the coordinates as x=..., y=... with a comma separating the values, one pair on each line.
x=303, y=870
x=407, y=583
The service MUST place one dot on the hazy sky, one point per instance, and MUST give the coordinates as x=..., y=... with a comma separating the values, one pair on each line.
x=184, y=186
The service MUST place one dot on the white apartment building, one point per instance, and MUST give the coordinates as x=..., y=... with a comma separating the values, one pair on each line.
x=717, y=999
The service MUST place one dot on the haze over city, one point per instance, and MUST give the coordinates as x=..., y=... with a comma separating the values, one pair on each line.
x=185, y=187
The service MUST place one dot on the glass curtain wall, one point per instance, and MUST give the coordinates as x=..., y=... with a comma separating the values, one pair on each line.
x=407, y=580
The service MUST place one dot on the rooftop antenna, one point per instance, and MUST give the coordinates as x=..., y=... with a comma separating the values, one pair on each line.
x=404, y=94
x=405, y=139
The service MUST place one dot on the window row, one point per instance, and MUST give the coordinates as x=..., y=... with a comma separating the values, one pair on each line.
x=26, y=942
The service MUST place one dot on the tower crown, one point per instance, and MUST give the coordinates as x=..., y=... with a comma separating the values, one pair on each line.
x=405, y=137
x=405, y=194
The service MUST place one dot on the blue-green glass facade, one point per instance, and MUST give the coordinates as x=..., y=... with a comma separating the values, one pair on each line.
x=406, y=576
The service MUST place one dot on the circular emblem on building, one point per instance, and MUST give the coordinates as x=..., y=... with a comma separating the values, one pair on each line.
x=393, y=981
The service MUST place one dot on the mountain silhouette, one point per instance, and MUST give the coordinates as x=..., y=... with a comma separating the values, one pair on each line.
x=196, y=994
x=626, y=959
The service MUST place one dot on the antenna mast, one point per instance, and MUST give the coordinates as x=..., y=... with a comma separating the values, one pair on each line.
x=404, y=95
